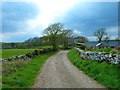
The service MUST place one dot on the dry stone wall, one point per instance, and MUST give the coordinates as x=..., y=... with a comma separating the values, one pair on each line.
x=100, y=56
x=28, y=55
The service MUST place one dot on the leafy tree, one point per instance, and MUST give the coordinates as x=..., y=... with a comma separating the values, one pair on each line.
x=52, y=33
x=100, y=33
x=13, y=45
x=81, y=39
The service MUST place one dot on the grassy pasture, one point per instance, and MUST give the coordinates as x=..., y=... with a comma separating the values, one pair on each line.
x=104, y=73
x=109, y=50
x=39, y=47
x=14, y=52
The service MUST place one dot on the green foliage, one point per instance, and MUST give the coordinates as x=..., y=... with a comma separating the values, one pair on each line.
x=52, y=34
x=56, y=35
x=104, y=73
x=89, y=49
x=109, y=50
x=81, y=39
x=24, y=76
x=14, y=52
x=105, y=49
x=83, y=47
x=40, y=47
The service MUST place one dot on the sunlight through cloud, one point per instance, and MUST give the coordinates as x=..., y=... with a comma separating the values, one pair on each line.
x=49, y=11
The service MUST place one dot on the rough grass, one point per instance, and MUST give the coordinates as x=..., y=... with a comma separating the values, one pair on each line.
x=14, y=52
x=108, y=50
x=104, y=73
x=12, y=66
x=24, y=76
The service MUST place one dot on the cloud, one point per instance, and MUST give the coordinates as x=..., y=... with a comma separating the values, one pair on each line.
x=32, y=17
x=19, y=18
x=77, y=32
x=14, y=20
x=28, y=19
x=112, y=32
x=74, y=0
x=18, y=36
x=19, y=11
x=89, y=17
x=92, y=38
x=51, y=11
x=14, y=15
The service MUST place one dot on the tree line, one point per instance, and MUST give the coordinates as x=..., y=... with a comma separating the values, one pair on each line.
x=55, y=35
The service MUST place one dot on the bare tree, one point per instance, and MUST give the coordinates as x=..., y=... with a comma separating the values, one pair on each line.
x=100, y=33
x=107, y=39
x=67, y=37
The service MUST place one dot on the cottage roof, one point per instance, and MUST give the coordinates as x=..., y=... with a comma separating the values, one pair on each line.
x=98, y=44
x=111, y=43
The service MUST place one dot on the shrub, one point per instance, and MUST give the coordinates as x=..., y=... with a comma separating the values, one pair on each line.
x=105, y=49
x=83, y=47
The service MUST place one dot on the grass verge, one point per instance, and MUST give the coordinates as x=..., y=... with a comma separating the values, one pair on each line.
x=104, y=73
x=25, y=76
x=108, y=50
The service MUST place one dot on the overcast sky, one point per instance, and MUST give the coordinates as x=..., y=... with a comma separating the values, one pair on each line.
x=24, y=20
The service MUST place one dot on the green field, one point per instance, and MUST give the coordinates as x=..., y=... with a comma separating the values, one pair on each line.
x=40, y=47
x=104, y=73
x=13, y=52
x=23, y=74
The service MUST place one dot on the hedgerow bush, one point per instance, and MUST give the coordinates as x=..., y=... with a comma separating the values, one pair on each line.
x=83, y=47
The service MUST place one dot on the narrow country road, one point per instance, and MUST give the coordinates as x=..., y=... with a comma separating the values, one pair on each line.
x=58, y=72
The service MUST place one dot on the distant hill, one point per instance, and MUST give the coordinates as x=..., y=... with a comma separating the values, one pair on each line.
x=35, y=41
